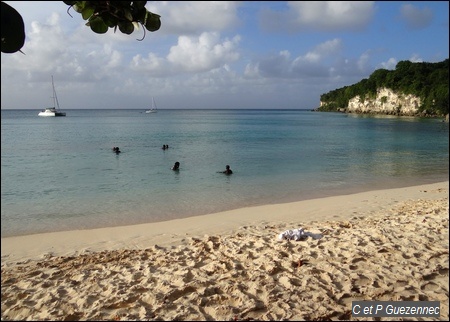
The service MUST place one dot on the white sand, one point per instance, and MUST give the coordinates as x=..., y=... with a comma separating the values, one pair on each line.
x=380, y=245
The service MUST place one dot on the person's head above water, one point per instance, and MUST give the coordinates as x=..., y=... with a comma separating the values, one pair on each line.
x=227, y=170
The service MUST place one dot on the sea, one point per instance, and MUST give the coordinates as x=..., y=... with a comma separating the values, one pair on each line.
x=60, y=174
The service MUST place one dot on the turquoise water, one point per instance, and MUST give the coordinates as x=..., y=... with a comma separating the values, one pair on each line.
x=61, y=174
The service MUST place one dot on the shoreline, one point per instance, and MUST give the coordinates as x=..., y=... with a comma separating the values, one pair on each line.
x=173, y=232
x=303, y=196
x=382, y=245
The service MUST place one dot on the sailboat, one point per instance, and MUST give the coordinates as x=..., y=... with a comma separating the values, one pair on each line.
x=154, y=108
x=52, y=111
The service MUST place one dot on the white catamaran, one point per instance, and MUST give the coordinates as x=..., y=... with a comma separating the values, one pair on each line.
x=153, y=109
x=52, y=111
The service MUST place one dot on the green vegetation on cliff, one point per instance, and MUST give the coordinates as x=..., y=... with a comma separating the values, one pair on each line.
x=429, y=81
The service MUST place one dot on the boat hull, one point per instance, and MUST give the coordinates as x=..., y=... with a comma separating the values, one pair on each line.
x=51, y=113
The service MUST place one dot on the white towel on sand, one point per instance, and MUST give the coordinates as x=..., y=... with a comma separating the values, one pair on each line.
x=297, y=234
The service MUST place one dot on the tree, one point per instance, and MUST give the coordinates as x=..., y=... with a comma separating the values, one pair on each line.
x=100, y=16
x=427, y=81
x=13, y=29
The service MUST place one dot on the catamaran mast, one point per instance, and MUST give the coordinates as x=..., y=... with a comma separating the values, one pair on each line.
x=55, y=98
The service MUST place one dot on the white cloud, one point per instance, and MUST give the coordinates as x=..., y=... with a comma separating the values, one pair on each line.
x=320, y=16
x=158, y=66
x=190, y=55
x=332, y=15
x=311, y=64
x=390, y=64
x=190, y=17
x=211, y=52
x=416, y=18
x=416, y=59
x=206, y=52
x=326, y=49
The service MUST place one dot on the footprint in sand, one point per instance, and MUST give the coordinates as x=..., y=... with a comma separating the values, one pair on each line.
x=363, y=281
x=429, y=287
x=430, y=277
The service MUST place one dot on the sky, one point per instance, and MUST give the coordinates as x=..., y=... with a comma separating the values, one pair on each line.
x=218, y=54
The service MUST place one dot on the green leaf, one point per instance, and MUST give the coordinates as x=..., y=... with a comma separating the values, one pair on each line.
x=109, y=20
x=127, y=14
x=152, y=22
x=126, y=27
x=98, y=25
x=13, y=29
x=140, y=14
x=87, y=12
x=79, y=6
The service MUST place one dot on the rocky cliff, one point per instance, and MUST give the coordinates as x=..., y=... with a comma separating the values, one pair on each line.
x=385, y=102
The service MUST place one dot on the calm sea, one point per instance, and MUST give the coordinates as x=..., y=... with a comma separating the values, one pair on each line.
x=61, y=174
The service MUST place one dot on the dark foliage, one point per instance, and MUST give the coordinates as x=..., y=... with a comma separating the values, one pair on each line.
x=429, y=81
x=100, y=16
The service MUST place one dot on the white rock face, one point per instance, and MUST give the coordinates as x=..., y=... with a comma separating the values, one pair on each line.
x=386, y=102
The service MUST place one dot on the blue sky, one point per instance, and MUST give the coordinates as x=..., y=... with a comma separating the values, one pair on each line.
x=237, y=54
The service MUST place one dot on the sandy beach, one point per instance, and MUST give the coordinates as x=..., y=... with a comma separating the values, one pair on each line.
x=379, y=245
